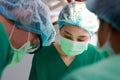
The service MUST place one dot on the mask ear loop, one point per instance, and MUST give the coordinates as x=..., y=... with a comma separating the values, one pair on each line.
x=28, y=40
x=12, y=31
x=28, y=37
x=108, y=38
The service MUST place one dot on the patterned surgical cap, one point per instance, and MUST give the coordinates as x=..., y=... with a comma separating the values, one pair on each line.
x=30, y=15
x=108, y=10
x=77, y=14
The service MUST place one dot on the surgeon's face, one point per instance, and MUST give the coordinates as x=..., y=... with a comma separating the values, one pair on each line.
x=74, y=33
x=19, y=36
x=103, y=32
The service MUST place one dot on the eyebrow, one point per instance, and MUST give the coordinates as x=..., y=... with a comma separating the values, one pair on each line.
x=82, y=36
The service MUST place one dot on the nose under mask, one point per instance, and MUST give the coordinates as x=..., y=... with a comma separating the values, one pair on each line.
x=72, y=48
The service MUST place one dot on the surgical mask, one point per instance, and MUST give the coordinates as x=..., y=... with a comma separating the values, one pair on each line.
x=20, y=53
x=26, y=47
x=106, y=49
x=72, y=48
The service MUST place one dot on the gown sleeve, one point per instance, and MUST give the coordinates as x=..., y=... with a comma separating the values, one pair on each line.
x=96, y=55
x=33, y=75
x=5, y=49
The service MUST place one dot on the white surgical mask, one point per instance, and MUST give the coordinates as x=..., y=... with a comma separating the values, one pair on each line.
x=106, y=49
x=72, y=48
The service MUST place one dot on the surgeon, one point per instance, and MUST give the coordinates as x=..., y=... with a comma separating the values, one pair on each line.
x=25, y=26
x=76, y=25
x=108, y=12
x=4, y=49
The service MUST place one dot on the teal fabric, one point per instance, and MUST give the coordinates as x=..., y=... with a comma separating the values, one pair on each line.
x=5, y=49
x=107, y=69
x=107, y=10
x=48, y=65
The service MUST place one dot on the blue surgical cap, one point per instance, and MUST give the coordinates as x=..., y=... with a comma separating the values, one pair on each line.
x=78, y=15
x=108, y=10
x=30, y=15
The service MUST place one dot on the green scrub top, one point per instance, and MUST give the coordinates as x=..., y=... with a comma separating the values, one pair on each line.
x=5, y=49
x=107, y=69
x=48, y=65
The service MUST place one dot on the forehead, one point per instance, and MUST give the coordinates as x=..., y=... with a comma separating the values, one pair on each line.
x=73, y=30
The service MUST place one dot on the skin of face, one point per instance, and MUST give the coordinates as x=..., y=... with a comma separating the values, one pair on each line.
x=103, y=32
x=19, y=36
x=74, y=33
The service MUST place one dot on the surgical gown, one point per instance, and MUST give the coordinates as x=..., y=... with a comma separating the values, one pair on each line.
x=107, y=69
x=5, y=49
x=48, y=65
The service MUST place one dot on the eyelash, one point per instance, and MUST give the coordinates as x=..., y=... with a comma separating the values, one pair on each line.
x=80, y=40
x=68, y=37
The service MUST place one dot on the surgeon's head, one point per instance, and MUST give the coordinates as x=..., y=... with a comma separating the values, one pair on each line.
x=77, y=25
x=27, y=21
x=108, y=12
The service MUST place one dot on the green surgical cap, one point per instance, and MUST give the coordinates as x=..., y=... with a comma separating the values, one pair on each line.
x=78, y=15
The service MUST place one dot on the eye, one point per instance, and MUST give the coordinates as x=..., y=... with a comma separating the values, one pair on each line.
x=80, y=40
x=68, y=37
